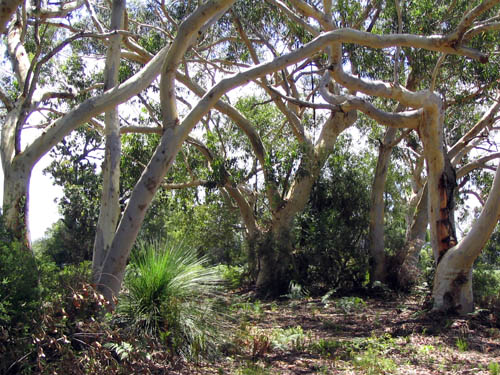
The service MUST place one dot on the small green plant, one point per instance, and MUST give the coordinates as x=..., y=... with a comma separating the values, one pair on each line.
x=296, y=291
x=494, y=368
x=233, y=276
x=372, y=362
x=330, y=348
x=350, y=304
x=290, y=338
x=248, y=309
x=462, y=344
x=122, y=349
x=252, y=369
x=426, y=349
x=366, y=354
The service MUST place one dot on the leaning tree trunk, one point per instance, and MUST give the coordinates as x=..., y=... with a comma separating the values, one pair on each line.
x=173, y=136
x=452, y=289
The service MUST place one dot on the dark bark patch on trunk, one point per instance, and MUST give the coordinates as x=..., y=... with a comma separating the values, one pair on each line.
x=446, y=226
x=151, y=184
x=451, y=298
x=460, y=279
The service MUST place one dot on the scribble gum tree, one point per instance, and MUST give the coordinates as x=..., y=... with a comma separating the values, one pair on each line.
x=414, y=17
x=452, y=285
x=32, y=96
x=426, y=114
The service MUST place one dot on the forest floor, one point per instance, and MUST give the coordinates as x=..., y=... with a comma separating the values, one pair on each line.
x=354, y=335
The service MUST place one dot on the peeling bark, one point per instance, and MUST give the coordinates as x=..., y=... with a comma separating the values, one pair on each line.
x=446, y=227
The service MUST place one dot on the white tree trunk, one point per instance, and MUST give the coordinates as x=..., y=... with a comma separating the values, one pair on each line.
x=171, y=141
x=453, y=279
x=408, y=257
x=377, y=210
x=110, y=207
x=16, y=201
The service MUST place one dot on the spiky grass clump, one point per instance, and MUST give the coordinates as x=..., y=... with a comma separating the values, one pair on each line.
x=169, y=293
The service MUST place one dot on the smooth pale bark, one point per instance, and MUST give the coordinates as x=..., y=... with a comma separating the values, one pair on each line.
x=110, y=195
x=174, y=135
x=376, y=238
x=16, y=175
x=452, y=289
x=377, y=210
x=15, y=195
x=170, y=143
x=407, y=258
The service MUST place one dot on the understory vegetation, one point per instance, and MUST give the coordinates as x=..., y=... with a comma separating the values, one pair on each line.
x=180, y=314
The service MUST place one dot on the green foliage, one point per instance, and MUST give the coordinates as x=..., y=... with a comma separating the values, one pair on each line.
x=494, y=368
x=462, y=344
x=349, y=305
x=331, y=249
x=486, y=274
x=248, y=310
x=486, y=287
x=169, y=294
x=293, y=338
x=122, y=349
x=367, y=354
x=71, y=239
x=233, y=276
x=19, y=290
x=252, y=369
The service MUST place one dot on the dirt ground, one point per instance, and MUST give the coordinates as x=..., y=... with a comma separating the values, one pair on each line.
x=354, y=335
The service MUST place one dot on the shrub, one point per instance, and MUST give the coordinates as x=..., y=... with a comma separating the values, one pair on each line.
x=331, y=251
x=233, y=276
x=19, y=292
x=486, y=286
x=169, y=293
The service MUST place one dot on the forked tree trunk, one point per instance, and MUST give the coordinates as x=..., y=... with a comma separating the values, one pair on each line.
x=173, y=137
x=274, y=250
